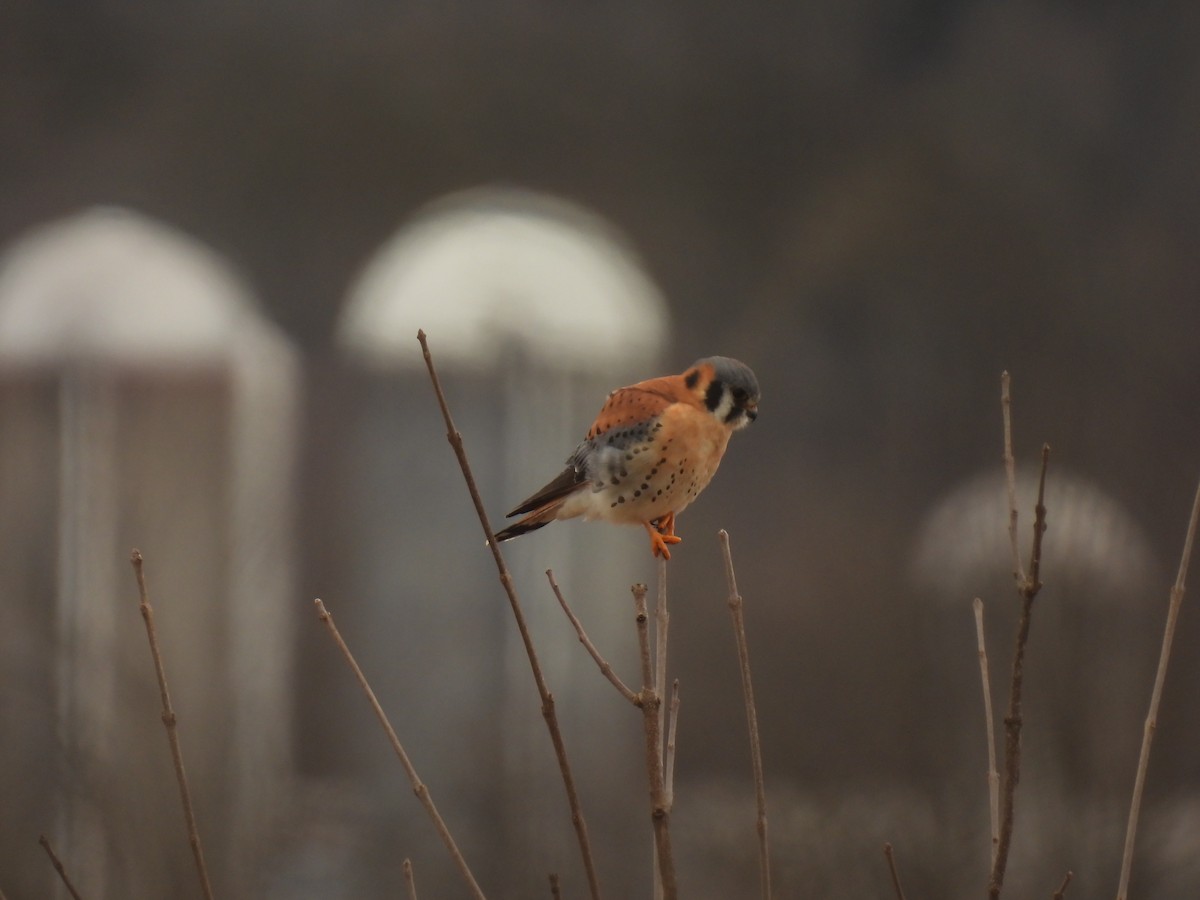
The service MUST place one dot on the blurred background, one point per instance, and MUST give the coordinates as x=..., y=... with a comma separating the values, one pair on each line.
x=222, y=225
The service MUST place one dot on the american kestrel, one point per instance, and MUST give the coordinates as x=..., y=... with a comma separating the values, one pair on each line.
x=654, y=447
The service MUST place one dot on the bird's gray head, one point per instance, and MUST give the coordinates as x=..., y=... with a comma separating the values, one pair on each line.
x=729, y=387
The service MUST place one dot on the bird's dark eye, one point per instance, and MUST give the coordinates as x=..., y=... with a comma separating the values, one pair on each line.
x=739, y=395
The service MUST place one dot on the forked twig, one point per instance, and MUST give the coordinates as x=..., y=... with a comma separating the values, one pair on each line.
x=548, y=711
x=418, y=786
x=1164, y=658
x=1062, y=888
x=1027, y=589
x=606, y=668
x=649, y=701
x=743, y=651
x=171, y=724
x=891, y=861
x=410, y=883
x=58, y=866
x=993, y=776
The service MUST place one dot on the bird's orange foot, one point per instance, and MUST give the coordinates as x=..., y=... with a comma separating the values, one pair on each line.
x=659, y=541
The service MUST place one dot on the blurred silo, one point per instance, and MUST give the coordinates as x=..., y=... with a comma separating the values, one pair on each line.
x=143, y=402
x=535, y=310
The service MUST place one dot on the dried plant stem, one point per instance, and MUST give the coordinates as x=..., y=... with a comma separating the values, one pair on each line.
x=1062, y=888
x=891, y=861
x=418, y=786
x=548, y=711
x=1010, y=471
x=171, y=723
x=606, y=668
x=410, y=884
x=1028, y=589
x=662, y=624
x=760, y=793
x=993, y=776
x=660, y=811
x=58, y=866
x=1164, y=658
x=672, y=726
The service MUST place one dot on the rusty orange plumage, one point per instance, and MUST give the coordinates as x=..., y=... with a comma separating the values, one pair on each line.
x=653, y=448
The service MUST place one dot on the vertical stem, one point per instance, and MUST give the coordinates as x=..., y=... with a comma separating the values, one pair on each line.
x=760, y=793
x=1160, y=677
x=993, y=776
x=895, y=872
x=1028, y=590
x=171, y=724
x=660, y=813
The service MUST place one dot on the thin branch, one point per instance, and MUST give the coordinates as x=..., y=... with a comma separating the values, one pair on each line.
x=1034, y=584
x=891, y=861
x=660, y=813
x=1062, y=888
x=661, y=629
x=555, y=892
x=548, y=711
x=605, y=668
x=1010, y=471
x=760, y=793
x=171, y=723
x=1160, y=676
x=410, y=883
x=672, y=728
x=58, y=866
x=662, y=624
x=418, y=786
x=1028, y=590
x=993, y=776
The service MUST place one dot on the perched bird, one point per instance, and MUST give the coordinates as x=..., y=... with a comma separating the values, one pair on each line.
x=654, y=447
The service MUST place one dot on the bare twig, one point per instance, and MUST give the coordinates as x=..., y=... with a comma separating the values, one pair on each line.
x=760, y=793
x=660, y=812
x=58, y=866
x=1160, y=676
x=605, y=668
x=1028, y=589
x=548, y=711
x=418, y=786
x=672, y=727
x=555, y=892
x=410, y=883
x=993, y=776
x=661, y=628
x=1010, y=471
x=662, y=623
x=1062, y=888
x=171, y=724
x=891, y=861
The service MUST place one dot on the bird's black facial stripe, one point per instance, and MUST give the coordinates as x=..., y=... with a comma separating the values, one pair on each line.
x=692, y=378
x=735, y=413
x=712, y=398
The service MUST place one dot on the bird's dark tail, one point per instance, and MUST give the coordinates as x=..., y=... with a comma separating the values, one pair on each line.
x=516, y=529
x=543, y=515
